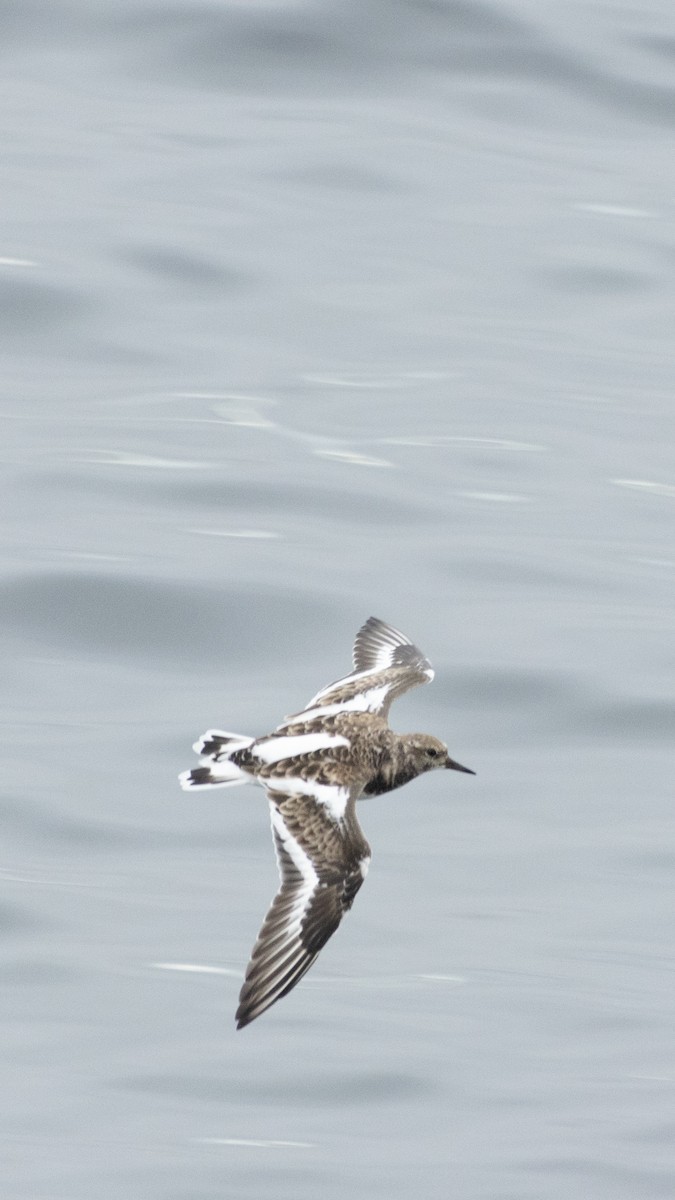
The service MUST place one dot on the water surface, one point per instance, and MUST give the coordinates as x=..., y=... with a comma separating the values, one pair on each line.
x=310, y=311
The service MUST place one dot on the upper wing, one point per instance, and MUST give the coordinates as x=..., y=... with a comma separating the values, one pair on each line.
x=323, y=859
x=386, y=664
x=378, y=646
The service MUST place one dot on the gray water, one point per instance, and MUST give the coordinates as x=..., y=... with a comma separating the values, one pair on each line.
x=310, y=311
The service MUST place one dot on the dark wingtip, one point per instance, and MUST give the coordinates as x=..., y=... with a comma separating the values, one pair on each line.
x=245, y=1014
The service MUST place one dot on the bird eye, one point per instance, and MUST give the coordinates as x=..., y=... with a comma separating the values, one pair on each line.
x=431, y=752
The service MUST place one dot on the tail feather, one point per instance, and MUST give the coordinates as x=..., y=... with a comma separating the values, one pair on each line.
x=205, y=777
x=215, y=769
x=215, y=741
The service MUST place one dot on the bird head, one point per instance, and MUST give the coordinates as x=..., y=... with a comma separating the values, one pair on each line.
x=430, y=754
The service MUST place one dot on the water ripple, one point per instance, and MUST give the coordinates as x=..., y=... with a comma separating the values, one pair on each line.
x=174, y=622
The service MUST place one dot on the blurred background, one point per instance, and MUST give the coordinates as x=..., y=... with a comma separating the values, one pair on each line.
x=311, y=310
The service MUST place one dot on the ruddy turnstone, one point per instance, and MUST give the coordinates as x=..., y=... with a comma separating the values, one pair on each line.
x=314, y=767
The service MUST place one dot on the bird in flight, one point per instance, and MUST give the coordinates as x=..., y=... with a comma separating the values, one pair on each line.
x=314, y=767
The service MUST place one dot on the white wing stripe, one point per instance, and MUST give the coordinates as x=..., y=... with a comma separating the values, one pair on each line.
x=293, y=848
x=276, y=749
x=331, y=796
x=370, y=701
x=338, y=682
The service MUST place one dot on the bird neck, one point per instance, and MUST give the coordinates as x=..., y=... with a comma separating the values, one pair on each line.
x=394, y=768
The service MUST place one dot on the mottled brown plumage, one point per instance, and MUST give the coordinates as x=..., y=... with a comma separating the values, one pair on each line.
x=314, y=767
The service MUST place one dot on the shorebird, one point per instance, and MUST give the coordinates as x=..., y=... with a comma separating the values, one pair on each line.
x=314, y=767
